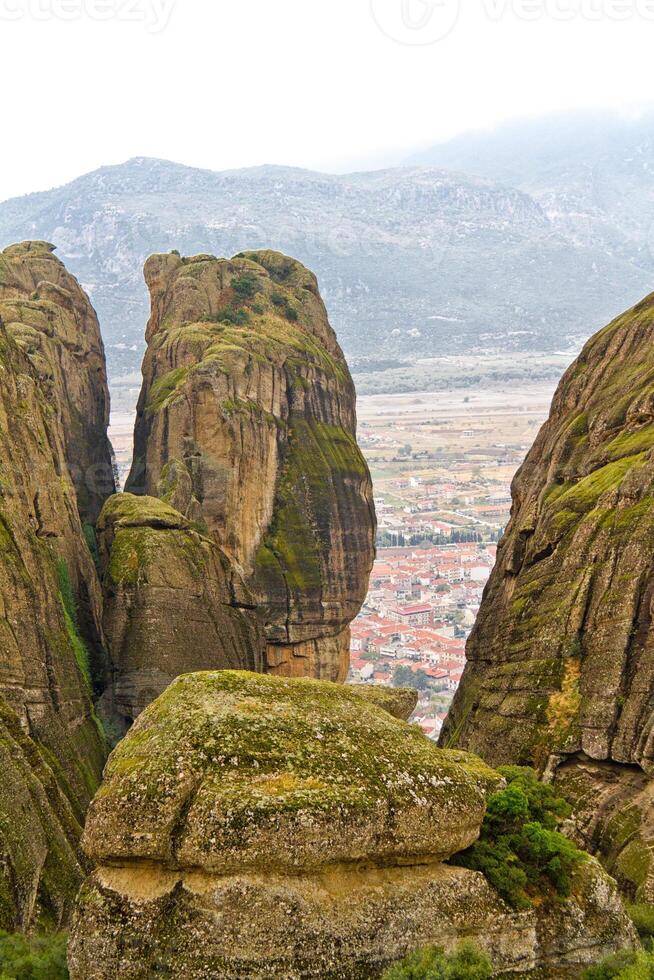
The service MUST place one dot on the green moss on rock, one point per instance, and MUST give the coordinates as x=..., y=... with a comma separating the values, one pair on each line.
x=166, y=389
x=272, y=772
x=319, y=457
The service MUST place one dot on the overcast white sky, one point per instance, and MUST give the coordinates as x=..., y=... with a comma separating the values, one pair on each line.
x=315, y=83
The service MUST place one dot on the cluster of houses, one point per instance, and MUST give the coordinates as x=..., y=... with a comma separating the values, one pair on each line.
x=418, y=613
x=481, y=513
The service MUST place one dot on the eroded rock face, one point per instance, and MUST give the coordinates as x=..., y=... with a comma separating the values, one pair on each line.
x=51, y=318
x=251, y=826
x=613, y=817
x=247, y=422
x=350, y=924
x=561, y=658
x=50, y=605
x=173, y=603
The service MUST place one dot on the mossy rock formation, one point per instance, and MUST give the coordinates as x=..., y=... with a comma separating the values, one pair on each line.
x=560, y=667
x=613, y=818
x=173, y=603
x=561, y=658
x=246, y=422
x=51, y=643
x=50, y=317
x=254, y=826
x=261, y=772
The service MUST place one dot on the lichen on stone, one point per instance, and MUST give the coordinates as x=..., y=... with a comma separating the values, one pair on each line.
x=292, y=773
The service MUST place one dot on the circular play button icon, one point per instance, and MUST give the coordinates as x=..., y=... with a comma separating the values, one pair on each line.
x=416, y=22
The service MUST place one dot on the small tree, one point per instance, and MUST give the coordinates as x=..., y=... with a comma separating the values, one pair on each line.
x=403, y=677
x=519, y=850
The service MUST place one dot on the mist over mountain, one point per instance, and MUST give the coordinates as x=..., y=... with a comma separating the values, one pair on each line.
x=412, y=262
x=591, y=172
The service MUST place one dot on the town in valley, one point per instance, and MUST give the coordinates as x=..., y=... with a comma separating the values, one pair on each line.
x=442, y=465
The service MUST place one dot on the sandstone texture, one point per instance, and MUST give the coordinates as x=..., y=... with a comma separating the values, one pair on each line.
x=336, y=925
x=173, y=603
x=561, y=659
x=51, y=318
x=51, y=644
x=254, y=826
x=246, y=424
x=613, y=817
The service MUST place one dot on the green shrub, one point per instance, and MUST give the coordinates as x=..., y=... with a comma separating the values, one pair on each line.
x=235, y=317
x=519, y=850
x=467, y=963
x=41, y=958
x=282, y=301
x=627, y=965
x=642, y=916
x=246, y=285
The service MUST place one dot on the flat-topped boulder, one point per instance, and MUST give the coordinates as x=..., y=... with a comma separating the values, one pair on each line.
x=229, y=771
x=277, y=829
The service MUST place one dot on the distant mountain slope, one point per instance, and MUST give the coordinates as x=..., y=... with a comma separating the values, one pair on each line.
x=592, y=173
x=411, y=262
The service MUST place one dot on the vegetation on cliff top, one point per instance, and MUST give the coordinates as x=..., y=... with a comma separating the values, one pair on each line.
x=262, y=316
x=519, y=850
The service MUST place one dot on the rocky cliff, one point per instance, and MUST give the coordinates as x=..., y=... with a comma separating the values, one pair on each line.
x=257, y=827
x=561, y=660
x=173, y=603
x=52, y=398
x=51, y=318
x=246, y=423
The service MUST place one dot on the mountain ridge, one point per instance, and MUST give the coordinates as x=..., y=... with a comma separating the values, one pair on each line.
x=394, y=251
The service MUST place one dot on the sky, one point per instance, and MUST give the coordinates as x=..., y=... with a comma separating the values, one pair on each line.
x=328, y=84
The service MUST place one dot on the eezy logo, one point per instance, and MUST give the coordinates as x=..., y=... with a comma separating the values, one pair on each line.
x=416, y=22
x=153, y=14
